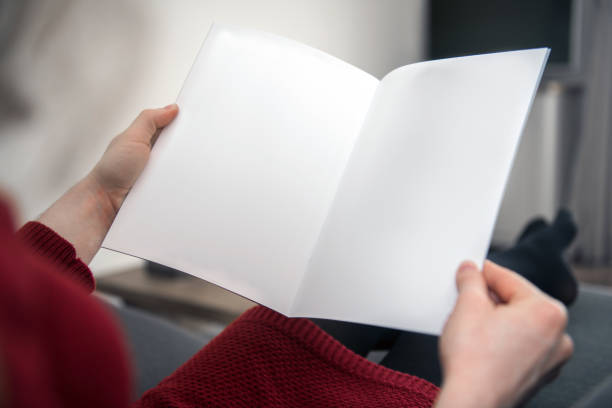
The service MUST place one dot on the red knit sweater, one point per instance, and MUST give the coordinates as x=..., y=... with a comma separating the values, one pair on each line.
x=59, y=347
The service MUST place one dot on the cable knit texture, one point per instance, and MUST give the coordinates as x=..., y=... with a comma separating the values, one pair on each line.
x=60, y=348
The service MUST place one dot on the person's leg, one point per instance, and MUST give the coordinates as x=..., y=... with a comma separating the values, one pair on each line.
x=538, y=256
x=415, y=354
x=359, y=338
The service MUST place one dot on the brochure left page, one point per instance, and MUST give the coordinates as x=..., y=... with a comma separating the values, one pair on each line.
x=239, y=185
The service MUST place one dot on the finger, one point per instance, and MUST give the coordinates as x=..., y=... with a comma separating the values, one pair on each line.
x=562, y=353
x=149, y=122
x=468, y=277
x=507, y=285
x=472, y=289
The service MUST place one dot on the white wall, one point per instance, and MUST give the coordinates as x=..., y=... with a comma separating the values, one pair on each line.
x=88, y=67
x=539, y=180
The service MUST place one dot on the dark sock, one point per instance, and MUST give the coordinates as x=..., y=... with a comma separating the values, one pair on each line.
x=538, y=256
x=359, y=338
x=415, y=354
x=533, y=226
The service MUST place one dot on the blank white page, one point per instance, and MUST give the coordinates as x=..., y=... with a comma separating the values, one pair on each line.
x=238, y=186
x=421, y=190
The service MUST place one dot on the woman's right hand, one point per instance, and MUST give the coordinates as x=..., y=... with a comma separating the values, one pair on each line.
x=495, y=348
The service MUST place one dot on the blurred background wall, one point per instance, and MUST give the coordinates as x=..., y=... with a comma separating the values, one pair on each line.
x=75, y=73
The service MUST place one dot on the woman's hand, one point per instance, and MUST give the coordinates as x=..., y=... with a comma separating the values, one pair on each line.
x=496, y=348
x=84, y=214
x=128, y=153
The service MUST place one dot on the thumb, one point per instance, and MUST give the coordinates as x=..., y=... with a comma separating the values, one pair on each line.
x=472, y=288
x=469, y=278
x=149, y=122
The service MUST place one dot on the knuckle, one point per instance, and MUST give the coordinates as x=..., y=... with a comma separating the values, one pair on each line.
x=115, y=140
x=146, y=116
x=146, y=120
x=567, y=346
x=551, y=314
x=471, y=292
x=146, y=113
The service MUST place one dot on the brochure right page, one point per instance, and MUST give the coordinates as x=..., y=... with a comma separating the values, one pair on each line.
x=421, y=190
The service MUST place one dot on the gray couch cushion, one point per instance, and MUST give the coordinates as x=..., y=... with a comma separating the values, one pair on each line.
x=157, y=347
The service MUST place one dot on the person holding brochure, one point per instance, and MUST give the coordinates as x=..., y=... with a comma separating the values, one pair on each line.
x=60, y=347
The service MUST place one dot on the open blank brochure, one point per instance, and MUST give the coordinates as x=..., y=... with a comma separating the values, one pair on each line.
x=309, y=186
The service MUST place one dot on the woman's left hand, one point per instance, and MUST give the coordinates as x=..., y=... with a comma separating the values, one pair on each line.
x=84, y=213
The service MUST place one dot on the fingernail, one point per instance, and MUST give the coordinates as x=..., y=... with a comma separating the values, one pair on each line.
x=467, y=266
x=171, y=106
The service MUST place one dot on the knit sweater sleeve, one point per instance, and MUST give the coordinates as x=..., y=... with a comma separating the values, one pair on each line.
x=59, y=346
x=45, y=242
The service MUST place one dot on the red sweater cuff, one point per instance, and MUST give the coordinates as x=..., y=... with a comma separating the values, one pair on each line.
x=50, y=245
